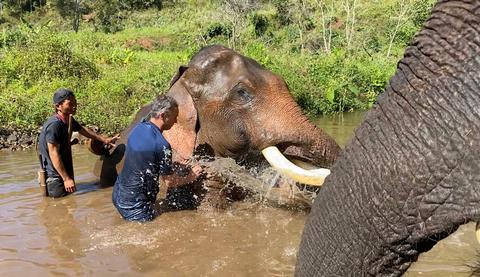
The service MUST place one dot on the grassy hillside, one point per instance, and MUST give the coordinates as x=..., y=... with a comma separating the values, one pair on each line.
x=334, y=55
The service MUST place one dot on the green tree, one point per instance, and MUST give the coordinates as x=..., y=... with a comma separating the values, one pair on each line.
x=235, y=12
x=111, y=14
x=143, y=4
x=18, y=7
x=72, y=9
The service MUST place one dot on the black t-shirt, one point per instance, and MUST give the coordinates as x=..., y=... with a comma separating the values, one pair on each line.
x=55, y=131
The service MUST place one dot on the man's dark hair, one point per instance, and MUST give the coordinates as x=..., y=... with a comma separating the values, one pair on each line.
x=163, y=104
x=61, y=95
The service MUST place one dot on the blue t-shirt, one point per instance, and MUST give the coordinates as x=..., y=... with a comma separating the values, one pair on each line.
x=147, y=156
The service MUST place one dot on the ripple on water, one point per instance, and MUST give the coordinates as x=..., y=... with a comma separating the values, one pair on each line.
x=9, y=250
x=125, y=235
x=5, y=175
x=218, y=264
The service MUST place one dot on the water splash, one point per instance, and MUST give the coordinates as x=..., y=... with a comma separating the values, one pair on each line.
x=267, y=185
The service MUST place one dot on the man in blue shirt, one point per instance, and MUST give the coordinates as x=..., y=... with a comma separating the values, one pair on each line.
x=148, y=155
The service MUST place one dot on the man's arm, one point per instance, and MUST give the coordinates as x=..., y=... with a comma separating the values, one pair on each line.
x=53, y=152
x=86, y=132
x=175, y=180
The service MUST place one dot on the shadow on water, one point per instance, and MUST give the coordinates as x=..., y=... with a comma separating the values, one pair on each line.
x=87, y=187
x=63, y=234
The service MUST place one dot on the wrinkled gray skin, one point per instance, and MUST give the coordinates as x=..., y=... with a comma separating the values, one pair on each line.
x=230, y=106
x=411, y=174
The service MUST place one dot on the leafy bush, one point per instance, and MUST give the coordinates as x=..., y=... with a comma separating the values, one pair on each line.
x=260, y=23
x=347, y=83
x=45, y=58
x=23, y=34
x=144, y=4
x=28, y=107
x=111, y=15
x=420, y=11
x=217, y=29
x=120, y=56
x=328, y=83
x=258, y=51
x=12, y=37
x=17, y=8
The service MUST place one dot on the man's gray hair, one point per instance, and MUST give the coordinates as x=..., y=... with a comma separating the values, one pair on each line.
x=163, y=104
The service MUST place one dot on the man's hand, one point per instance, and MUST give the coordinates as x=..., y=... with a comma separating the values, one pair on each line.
x=197, y=171
x=69, y=185
x=111, y=140
x=183, y=177
x=204, y=171
x=86, y=132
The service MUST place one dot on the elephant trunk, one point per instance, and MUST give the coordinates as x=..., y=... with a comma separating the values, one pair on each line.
x=302, y=152
x=313, y=146
x=409, y=176
x=292, y=144
x=293, y=133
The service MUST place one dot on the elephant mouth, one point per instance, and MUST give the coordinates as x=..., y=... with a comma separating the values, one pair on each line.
x=297, y=170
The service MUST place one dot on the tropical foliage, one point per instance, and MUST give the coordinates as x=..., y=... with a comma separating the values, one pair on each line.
x=118, y=55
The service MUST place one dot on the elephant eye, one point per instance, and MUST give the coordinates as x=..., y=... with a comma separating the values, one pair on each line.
x=242, y=94
x=245, y=95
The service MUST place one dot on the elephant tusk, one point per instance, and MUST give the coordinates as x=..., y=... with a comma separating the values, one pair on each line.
x=304, y=165
x=277, y=160
x=477, y=231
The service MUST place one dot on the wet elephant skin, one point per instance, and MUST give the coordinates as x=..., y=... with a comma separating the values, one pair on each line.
x=411, y=174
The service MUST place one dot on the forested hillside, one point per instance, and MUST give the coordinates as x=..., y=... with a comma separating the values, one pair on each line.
x=335, y=55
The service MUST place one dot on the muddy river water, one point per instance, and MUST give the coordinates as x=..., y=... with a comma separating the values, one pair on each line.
x=83, y=235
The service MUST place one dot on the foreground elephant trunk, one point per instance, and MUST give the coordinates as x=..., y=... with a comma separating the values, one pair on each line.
x=411, y=174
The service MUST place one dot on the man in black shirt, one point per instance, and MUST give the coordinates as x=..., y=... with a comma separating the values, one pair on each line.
x=54, y=144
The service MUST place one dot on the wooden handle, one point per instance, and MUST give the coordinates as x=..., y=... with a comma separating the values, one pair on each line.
x=70, y=118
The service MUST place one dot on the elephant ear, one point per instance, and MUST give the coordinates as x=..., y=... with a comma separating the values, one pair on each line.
x=182, y=136
x=107, y=167
x=177, y=76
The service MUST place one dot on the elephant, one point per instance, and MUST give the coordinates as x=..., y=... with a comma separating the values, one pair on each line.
x=231, y=106
x=410, y=175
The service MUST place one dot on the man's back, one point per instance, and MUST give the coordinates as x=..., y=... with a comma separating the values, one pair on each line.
x=147, y=156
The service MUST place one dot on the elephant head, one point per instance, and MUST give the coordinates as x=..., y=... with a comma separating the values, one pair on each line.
x=410, y=176
x=230, y=106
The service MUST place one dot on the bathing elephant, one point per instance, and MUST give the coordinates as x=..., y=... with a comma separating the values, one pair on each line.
x=410, y=176
x=230, y=106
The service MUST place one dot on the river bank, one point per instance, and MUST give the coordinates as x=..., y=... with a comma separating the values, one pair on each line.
x=15, y=139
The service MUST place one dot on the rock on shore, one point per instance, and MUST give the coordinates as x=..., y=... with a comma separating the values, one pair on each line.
x=16, y=139
x=13, y=139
